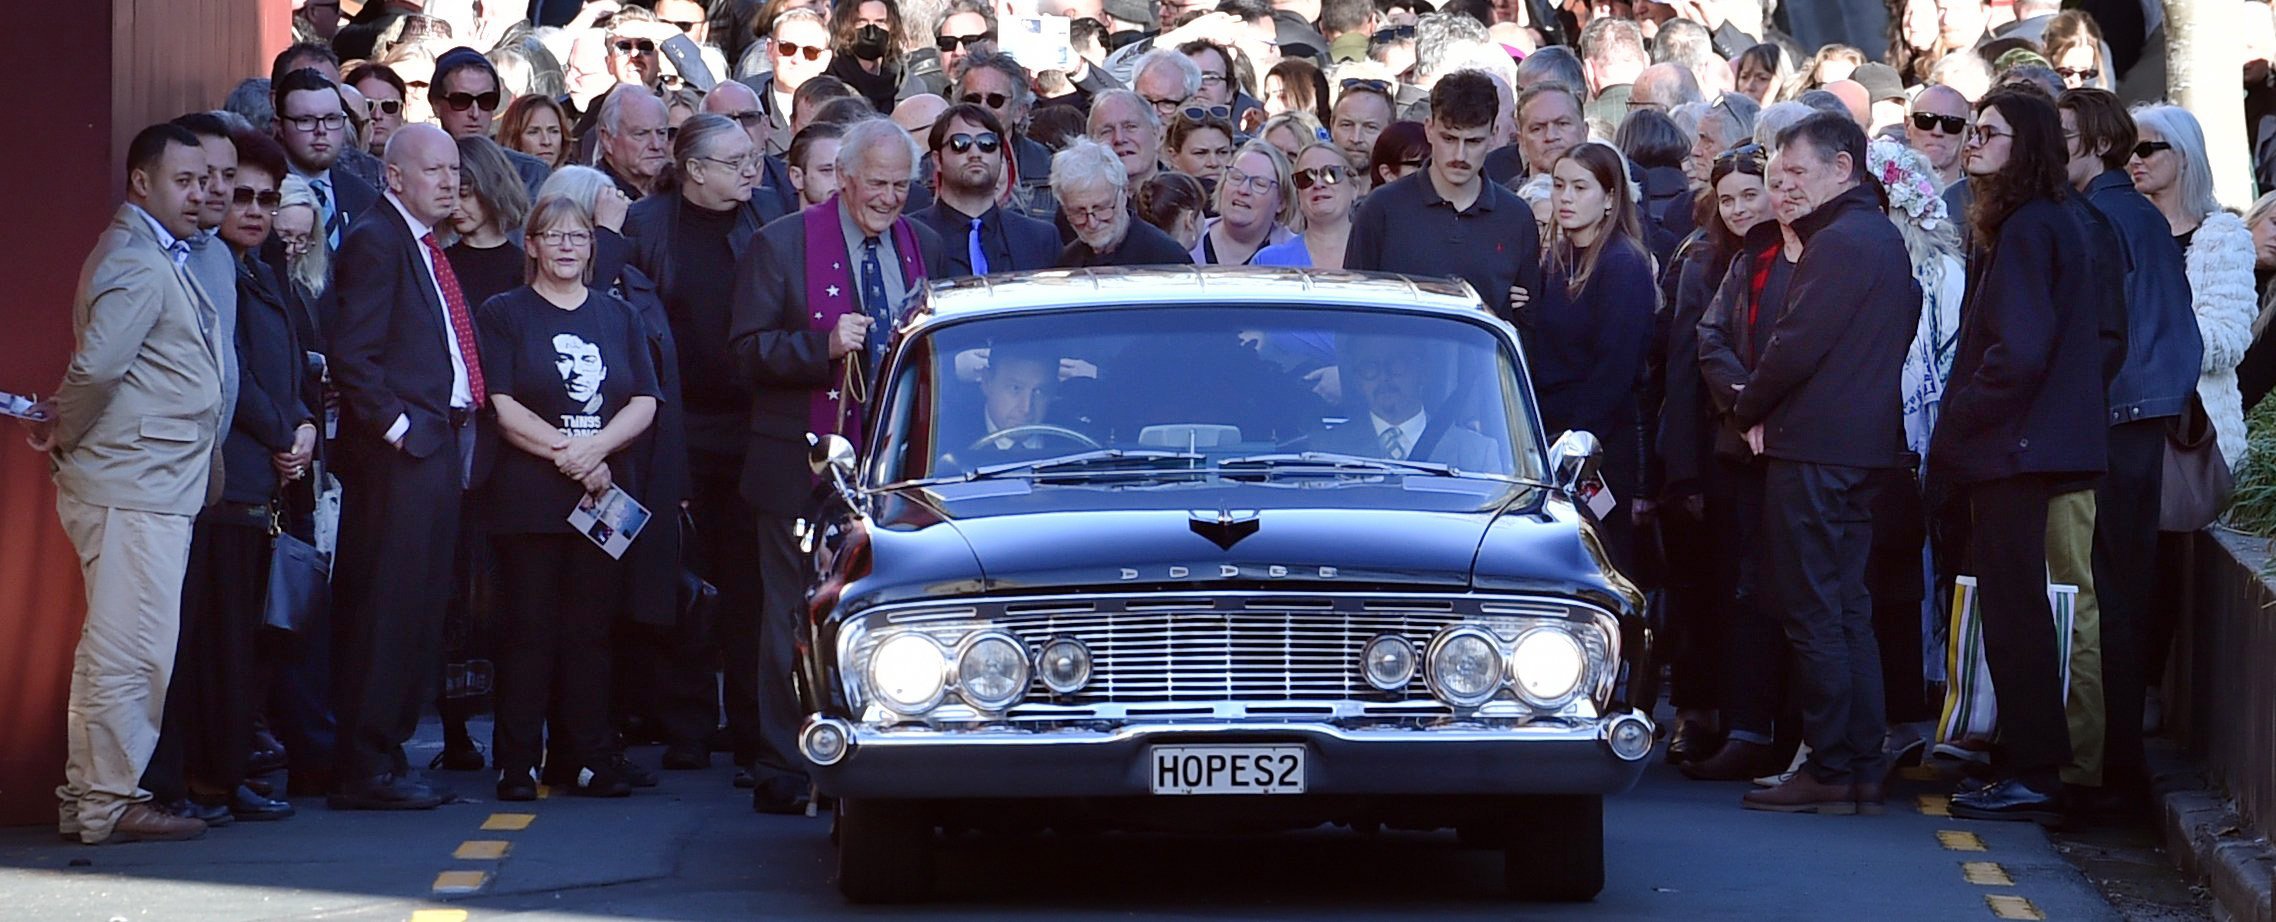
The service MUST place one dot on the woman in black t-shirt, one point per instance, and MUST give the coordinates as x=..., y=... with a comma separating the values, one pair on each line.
x=571, y=386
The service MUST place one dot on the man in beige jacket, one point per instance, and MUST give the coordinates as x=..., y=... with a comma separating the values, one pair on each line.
x=131, y=432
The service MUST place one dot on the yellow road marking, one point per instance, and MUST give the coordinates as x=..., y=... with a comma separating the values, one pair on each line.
x=1986, y=874
x=480, y=850
x=456, y=882
x=544, y=791
x=1935, y=805
x=438, y=915
x=508, y=822
x=2013, y=907
x=1958, y=841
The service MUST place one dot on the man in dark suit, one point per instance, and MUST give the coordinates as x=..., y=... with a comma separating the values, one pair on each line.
x=409, y=373
x=312, y=123
x=815, y=299
x=1822, y=406
x=979, y=238
x=1395, y=381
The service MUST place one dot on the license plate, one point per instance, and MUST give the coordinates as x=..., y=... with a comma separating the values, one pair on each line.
x=1228, y=769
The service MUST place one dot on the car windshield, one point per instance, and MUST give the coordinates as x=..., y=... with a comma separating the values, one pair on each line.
x=1227, y=389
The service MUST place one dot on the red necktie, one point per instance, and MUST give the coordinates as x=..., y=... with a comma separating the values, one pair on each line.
x=461, y=323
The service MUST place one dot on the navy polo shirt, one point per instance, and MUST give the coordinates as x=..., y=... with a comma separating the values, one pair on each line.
x=1405, y=227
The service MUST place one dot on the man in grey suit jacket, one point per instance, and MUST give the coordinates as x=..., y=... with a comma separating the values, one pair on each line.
x=1395, y=380
x=131, y=434
x=210, y=260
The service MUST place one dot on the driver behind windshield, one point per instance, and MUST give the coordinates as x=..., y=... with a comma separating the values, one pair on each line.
x=1015, y=392
x=1395, y=381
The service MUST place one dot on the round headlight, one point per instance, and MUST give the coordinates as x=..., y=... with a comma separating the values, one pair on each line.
x=909, y=672
x=1065, y=665
x=1548, y=665
x=1388, y=662
x=991, y=673
x=1465, y=667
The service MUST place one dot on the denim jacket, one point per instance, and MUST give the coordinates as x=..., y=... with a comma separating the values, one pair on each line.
x=2163, y=350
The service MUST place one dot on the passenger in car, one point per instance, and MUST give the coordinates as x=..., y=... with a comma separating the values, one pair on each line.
x=1395, y=381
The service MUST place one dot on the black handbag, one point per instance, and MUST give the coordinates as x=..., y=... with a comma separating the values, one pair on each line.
x=2197, y=479
x=300, y=580
x=698, y=598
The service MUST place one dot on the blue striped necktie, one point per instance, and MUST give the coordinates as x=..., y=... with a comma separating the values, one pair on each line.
x=334, y=223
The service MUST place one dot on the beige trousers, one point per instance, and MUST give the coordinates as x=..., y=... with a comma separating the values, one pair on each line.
x=133, y=564
x=2070, y=559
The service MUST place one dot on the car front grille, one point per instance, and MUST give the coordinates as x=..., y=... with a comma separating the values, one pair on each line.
x=1176, y=656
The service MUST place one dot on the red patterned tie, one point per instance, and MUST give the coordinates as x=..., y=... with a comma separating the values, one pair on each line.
x=461, y=323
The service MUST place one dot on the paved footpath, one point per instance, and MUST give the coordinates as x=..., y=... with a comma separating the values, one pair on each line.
x=693, y=850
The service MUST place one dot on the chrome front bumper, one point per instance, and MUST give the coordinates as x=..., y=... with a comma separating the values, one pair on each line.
x=1387, y=758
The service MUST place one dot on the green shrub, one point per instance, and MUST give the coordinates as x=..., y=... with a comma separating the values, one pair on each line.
x=2253, y=509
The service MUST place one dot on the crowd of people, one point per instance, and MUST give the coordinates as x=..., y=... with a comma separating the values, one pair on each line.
x=1997, y=297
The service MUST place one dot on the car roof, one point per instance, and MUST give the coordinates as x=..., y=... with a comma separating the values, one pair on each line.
x=1172, y=285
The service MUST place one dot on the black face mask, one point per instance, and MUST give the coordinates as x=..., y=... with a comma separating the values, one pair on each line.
x=869, y=42
x=1116, y=40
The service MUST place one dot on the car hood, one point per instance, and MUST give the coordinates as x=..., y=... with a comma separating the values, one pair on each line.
x=1423, y=534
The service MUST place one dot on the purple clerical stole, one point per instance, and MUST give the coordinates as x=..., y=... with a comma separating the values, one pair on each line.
x=832, y=290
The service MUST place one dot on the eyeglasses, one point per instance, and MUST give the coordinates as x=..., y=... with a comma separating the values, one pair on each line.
x=744, y=164
x=2148, y=149
x=1393, y=34
x=991, y=100
x=1205, y=113
x=388, y=106
x=2086, y=73
x=1320, y=176
x=748, y=116
x=1164, y=106
x=1749, y=159
x=1983, y=136
x=1361, y=83
x=986, y=141
x=554, y=238
x=1091, y=215
x=1209, y=77
x=267, y=199
x=626, y=45
x=948, y=43
x=460, y=102
x=1930, y=121
x=308, y=124
x=792, y=49
x=1243, y=181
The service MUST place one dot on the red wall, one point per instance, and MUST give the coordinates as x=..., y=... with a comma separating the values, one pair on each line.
x=95, y=72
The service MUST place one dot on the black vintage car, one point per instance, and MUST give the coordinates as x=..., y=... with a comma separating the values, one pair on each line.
x=1214, y=549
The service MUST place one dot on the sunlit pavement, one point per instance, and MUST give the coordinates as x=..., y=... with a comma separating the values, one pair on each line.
x=692, y=849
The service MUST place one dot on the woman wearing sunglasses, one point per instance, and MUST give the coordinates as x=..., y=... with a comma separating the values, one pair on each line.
x=1325, y=197
x=2170, y=167
x=1255, y=200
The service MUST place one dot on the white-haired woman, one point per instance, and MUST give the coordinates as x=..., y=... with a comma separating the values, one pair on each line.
x=2170, y=167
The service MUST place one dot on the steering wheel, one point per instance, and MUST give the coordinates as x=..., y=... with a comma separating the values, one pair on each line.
x=1017, y=433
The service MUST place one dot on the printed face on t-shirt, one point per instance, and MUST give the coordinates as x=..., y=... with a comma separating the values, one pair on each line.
x=582, y=372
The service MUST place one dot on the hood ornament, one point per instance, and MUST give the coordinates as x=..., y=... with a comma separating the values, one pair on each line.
x=1223, y=527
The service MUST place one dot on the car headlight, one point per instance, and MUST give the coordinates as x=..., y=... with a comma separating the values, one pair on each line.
x=1388, y=662
x=1548, y=666
x=991, y=673
x=1465, y=667
x=1065, y=665
x=909, y=672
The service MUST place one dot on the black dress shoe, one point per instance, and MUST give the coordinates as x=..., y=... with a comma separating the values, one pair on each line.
x=2010, y=800
x=253, y=808
x=384, y=792
x=458, y=759
x=744, y=779
x=603, y=780
x=518, y=786
x=209, y=814
x=1692, y=742
x=686, y=759
x=780, y=795
x=633, y=773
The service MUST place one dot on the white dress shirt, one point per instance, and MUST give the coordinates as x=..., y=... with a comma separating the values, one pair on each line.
x=461, y=393
x=1409, y=432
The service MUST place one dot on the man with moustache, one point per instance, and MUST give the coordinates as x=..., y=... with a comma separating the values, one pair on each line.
x=1445, y=219
x=409, y=373
x=979, y=237
x=993, y=80
x=1094, y=199
x=130, y=434
x=815, y=298
x=1129, y=127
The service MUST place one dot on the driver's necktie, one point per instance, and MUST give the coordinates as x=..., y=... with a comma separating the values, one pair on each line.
x=1395, y=444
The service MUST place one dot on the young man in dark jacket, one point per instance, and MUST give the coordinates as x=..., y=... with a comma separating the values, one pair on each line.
x=2023, y=421
x=2163, y=353
x=1822, y=406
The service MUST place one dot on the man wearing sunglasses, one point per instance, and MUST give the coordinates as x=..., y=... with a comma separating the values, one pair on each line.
x=465, y=97
x=994, y=81
x=799, y=48
x=1937, y=126
x=977, y=236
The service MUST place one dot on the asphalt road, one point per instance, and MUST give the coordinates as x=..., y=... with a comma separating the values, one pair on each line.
x=692, y=850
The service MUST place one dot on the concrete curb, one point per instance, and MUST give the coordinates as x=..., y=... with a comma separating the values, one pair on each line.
x=2210, y=843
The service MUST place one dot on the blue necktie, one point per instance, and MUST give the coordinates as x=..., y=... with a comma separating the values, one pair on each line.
x=334, y=224
x=979, y=255
x=873, y=302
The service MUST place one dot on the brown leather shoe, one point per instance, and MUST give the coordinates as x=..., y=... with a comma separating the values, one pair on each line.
x=1871, y=799
x=1738, y=760
x=146, y=823
x=1804, y=793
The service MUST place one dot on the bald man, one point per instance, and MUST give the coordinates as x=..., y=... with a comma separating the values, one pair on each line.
x=1937, y=126
x=774, y=195
x=409, y=373
x=1664, y=86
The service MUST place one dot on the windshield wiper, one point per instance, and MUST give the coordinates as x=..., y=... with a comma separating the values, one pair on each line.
x=1110, y=458
x=1337, y=461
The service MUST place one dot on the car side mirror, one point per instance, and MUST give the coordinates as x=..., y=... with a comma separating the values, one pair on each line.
x=831, y=457
x=1575, y=457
